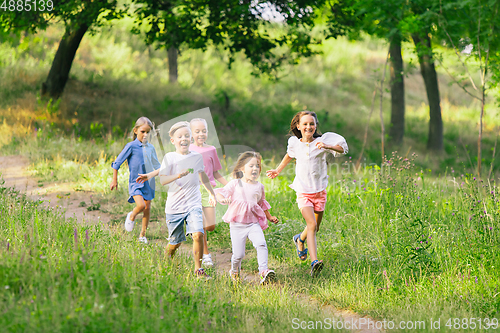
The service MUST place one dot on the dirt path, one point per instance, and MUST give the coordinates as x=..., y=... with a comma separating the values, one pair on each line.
x=63, y=196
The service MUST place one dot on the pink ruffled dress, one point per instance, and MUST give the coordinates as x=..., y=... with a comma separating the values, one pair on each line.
x=248, y=203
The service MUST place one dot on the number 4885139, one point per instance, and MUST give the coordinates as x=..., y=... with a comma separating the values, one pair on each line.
x=27, y=5
x=472, y=323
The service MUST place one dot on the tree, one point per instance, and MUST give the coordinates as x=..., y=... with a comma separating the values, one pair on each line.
x=420, y=26
x=383, y=20
x=78, y=18
x=473, y=24
x=233, y=24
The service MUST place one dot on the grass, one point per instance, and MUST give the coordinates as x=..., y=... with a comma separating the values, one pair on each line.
x=398, y=242
x=414, y=238
x=61, y=276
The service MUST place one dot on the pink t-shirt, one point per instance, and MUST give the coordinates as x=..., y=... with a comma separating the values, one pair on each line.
x=210, y=160
x=248, y=202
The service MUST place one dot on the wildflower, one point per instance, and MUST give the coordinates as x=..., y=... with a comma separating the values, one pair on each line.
x=474, y=178
x=453, y=214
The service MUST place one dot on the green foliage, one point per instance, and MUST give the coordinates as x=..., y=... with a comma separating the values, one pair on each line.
x=233, y=25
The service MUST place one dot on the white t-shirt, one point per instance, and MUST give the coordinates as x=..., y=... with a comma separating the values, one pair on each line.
x=184, y=193
x=311, y=174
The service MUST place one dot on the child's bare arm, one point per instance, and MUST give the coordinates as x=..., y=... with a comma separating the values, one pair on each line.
x=284, y=162
x=164, y=180
x=145, y=177
x=271, y=218
x=337, y=148
x=114, y=182
x=206, y=183
x=220, y=178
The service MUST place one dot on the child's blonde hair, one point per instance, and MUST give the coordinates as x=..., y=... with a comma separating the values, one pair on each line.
x=178, y=126
x=242, y=160
x=200, y=120
x=140, y=122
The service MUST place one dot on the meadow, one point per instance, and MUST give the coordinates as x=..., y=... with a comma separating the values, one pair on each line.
x=408, y=238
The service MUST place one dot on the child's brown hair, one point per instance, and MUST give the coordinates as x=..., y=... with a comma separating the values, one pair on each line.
x=242, y=160
x=296, y=120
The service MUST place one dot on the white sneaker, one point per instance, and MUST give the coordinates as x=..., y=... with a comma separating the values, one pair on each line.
x=129, y=224
x=143, y=240
x=267, y=276
x=207, y=260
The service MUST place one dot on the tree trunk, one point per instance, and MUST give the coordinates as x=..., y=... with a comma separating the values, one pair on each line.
x=397, y=129
x=172, y=64
x=424, y=52
x=61, y=66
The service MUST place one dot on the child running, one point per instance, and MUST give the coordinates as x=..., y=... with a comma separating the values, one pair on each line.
x=212, y=165
x=310, y=149
x=247, y=214
x=141, y=156
x=183, y=170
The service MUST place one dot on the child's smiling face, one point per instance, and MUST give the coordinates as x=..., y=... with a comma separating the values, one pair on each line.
x=251, y=170
x=307, y=127
x=200, y=133
x=142, y=133
x=181, y=140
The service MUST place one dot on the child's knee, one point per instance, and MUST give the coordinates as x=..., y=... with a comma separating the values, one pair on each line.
x=141, y=206
x=197, y=236
x=210, y=227
x=260, y=244
x=237, y=257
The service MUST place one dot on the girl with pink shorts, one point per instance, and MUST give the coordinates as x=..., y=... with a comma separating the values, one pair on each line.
x=310, y=149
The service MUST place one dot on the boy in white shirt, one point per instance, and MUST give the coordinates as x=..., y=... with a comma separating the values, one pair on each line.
x=183, y=170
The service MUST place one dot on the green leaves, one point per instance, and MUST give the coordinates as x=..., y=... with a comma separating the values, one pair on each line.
x=236, y=26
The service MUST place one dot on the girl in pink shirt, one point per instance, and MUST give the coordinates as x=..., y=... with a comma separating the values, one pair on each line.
x=247, y=214
x=310, y=150
x=199, y=130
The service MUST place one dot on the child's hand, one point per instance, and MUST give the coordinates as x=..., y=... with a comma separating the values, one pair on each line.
x=211, y=200
x=321, y=145
x=142, y=178
x=272, y=173
x=225, y=200
x=114, y=184
x=274, y=219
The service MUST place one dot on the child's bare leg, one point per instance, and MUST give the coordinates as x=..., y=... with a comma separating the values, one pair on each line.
x=145, y=218
x=170, y=250
x=197, y=249
x=319, y=217
x=208, y=225
x=310, y=217
x=140, y=205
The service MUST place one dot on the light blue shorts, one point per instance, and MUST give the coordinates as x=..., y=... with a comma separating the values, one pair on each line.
x=175, y=224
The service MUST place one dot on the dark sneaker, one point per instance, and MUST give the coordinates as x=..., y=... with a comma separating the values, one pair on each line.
x=316, y=267
x=201, y=274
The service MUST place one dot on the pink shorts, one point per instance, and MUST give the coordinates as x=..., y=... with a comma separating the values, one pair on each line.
x=315, y=200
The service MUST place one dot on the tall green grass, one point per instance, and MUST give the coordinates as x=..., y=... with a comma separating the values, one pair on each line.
x=60, y=276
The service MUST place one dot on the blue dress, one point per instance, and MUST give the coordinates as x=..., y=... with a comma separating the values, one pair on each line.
x=142, y=159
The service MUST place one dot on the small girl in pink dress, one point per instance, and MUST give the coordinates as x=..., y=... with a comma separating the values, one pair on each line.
x=247, y=214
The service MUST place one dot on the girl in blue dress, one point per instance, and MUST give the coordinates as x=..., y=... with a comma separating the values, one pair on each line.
x=142, y=159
